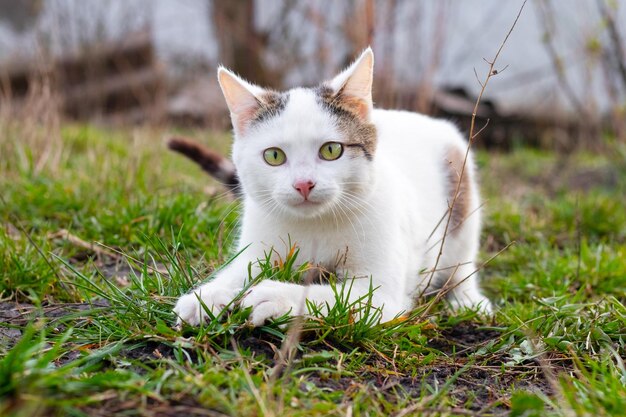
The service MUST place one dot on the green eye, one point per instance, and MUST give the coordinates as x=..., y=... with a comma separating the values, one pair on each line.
x=331, y=151
x=274, y=156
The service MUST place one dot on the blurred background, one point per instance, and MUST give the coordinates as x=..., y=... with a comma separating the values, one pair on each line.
x=561, y=81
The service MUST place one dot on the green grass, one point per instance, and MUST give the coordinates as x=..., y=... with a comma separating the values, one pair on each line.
x=87, y=331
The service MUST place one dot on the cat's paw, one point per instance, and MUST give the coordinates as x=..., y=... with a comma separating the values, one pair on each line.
x=478, y=302
x=190, y=310
x=272, y=299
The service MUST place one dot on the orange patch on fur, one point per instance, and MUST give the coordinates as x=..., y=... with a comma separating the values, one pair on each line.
x=457, y=179
x=352, y=118
x=354, y=105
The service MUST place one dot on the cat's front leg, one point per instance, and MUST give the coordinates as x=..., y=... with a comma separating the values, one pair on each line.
x=272, y=299
x=189, y=308
x=215, y=295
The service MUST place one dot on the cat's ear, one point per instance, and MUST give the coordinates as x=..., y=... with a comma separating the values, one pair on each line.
x=242, y=98
x=353, y=86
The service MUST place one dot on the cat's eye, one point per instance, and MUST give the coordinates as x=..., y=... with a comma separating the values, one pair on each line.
x=331, y=151
x=274, y=156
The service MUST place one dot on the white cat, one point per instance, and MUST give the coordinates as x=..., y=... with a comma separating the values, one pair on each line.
x=323, y=169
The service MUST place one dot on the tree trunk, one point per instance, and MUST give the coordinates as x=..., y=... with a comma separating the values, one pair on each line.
x=241, y=45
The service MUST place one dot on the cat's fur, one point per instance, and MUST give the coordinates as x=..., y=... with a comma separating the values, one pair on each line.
x=377, y=213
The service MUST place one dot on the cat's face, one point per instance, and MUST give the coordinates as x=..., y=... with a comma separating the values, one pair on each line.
x=307, y=152
x=301, y=161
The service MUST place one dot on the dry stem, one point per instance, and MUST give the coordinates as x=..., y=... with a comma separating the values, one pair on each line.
x=490, y=73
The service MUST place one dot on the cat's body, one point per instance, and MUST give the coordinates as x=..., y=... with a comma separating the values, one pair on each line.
x=374, y=207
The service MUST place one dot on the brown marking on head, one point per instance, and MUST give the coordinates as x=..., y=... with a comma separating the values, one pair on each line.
x=462, y=205
x=248, y=103
x=271, y=104
x=351, y=119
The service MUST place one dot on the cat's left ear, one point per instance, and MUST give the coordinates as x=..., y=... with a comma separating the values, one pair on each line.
x=243, y=99
x=353, y=86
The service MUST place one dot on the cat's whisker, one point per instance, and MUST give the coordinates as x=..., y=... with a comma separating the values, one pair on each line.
x=362, y=209
x=235, y=205
x=230, y=208
x=361, y=200
x=336, y=217
x=274, y=207
x=354, y=207
x=355, y=204
x=348, y=218
x=231, y=193
x=358, y=200
x=235, y=226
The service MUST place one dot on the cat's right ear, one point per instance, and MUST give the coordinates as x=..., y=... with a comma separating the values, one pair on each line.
x=353, y=86
x=241, y=97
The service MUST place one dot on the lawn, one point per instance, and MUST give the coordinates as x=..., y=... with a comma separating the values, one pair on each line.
x=101, y=233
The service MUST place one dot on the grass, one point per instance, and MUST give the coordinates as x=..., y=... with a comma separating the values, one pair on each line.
x=86, y=329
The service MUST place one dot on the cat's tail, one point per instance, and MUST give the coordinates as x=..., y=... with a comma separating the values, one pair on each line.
x=216, y=165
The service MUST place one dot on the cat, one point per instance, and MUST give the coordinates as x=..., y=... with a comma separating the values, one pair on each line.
x=321, y=168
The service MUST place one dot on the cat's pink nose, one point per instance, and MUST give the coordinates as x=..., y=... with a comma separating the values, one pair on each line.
x=304, y=187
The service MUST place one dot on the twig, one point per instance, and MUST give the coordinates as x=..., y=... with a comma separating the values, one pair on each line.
x=127, y=256
x=490, y=73
x=101, y=249
x=545, y=13
x=616, y=40
x=16, y=220
x=482, y=128
x=76, y=241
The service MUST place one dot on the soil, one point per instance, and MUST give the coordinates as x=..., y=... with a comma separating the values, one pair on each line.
x=463, y=339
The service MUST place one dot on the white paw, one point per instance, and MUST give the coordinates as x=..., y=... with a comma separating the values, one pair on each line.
x=189, y=309
x=476, y=302
x=272, y=299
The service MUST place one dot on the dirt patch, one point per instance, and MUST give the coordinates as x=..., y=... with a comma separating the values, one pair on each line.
x=9, y=312
x=463, y=339
x=20, y=314
x=153, y=408
x=261, y=344
x=116, y=268
x=151, y=351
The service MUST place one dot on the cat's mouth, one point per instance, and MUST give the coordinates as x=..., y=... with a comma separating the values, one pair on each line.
x=307, y=203
x=306, y=208
x=300, y=207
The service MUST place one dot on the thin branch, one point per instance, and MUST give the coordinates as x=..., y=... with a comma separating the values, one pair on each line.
x=457, y=191
x=76, y=241
x=546, y=13
x=617, y=49
x=482, y=128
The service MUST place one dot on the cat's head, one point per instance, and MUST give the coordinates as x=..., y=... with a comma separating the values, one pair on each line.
x=306, y=152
